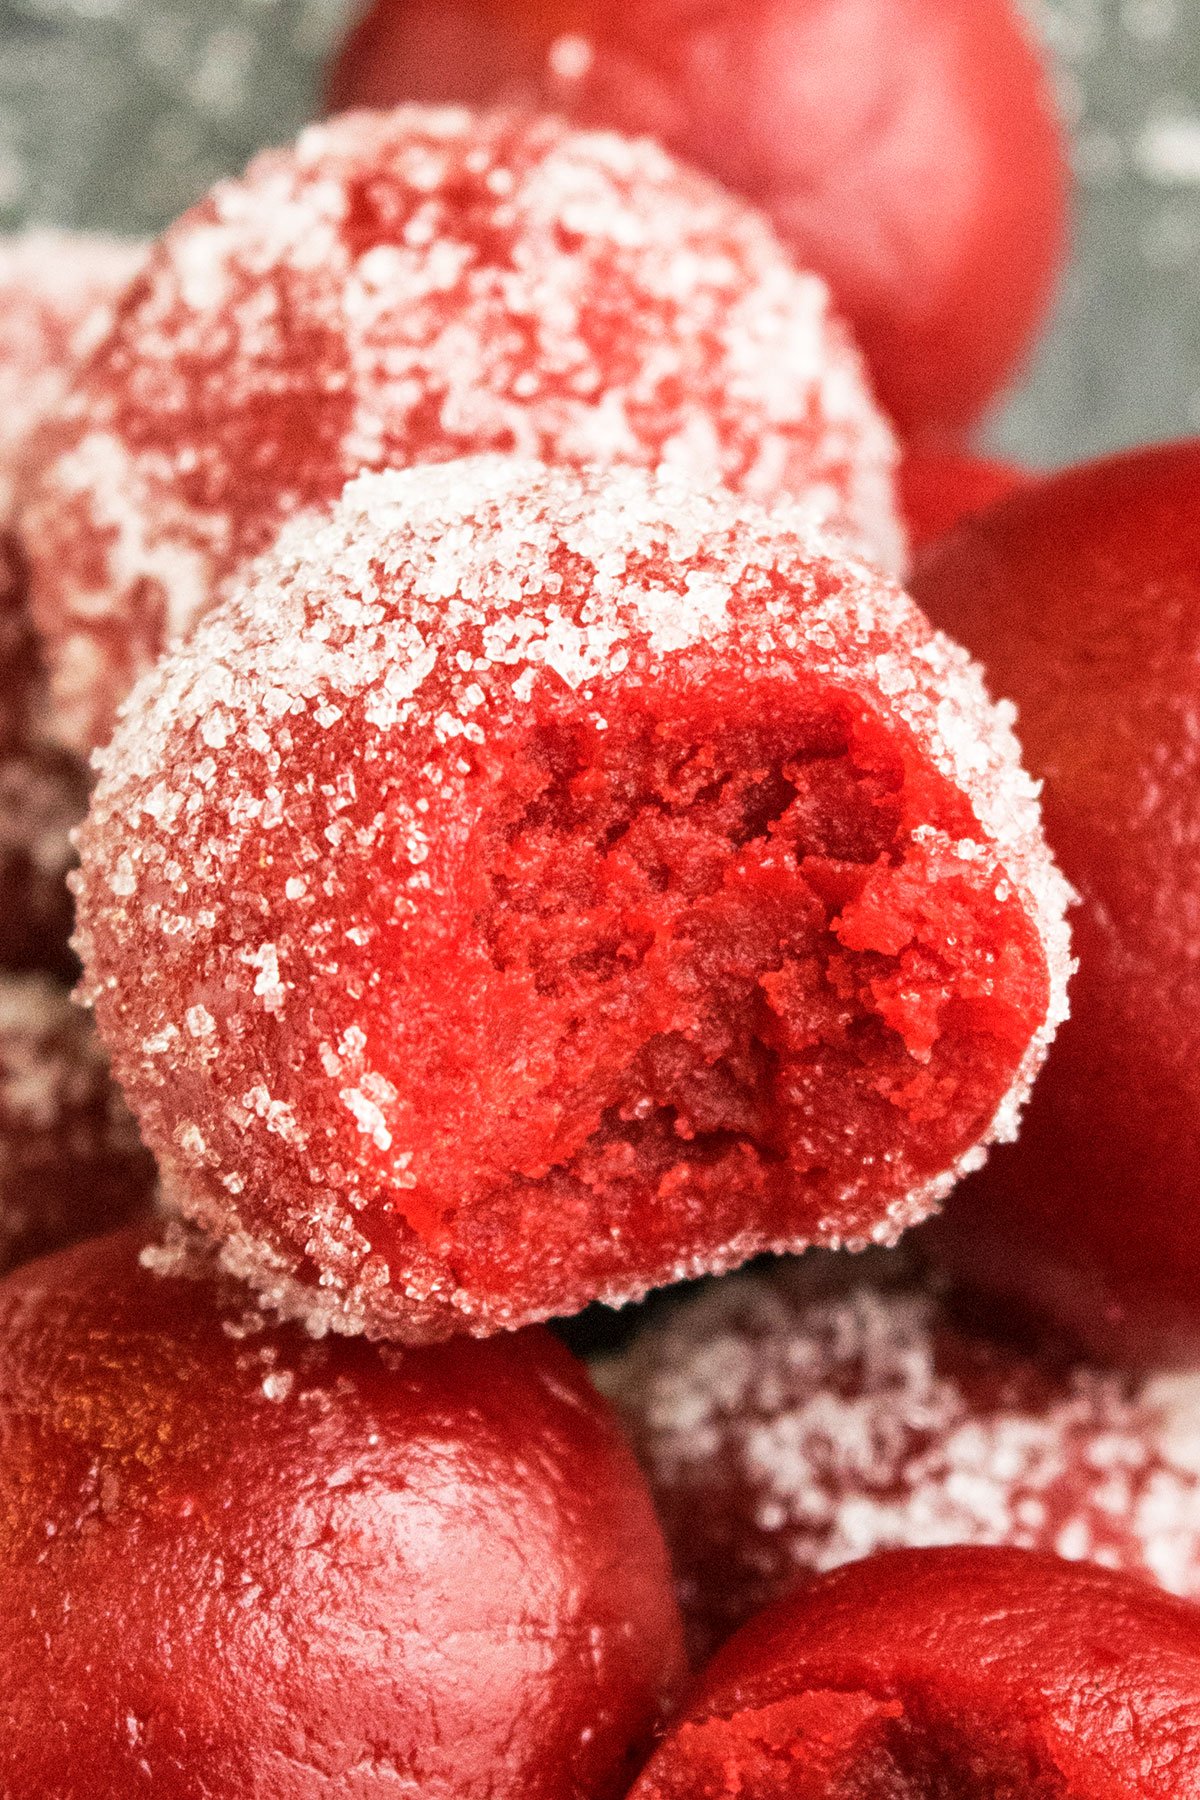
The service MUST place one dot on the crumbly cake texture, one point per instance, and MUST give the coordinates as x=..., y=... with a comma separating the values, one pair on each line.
x=533, y=886
x=787, y=1427
x=71, y=1162
x=57, y=291
x=972, y=1670
x=415, y=286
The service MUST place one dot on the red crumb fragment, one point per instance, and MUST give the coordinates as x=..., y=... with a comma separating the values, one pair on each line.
x=971, y=1673
x=907, y=150
x=71, y=1164
x=1082, y=597
x=939, y=489
x=535, y=886
x=237, y=1557
x=411, y=287
x=795, y=1420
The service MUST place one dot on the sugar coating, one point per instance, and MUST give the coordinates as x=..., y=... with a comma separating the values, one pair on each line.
x=415, y=286
x=787, y=1429
x=71, y=1163
x=57, y=289
x=533, y=885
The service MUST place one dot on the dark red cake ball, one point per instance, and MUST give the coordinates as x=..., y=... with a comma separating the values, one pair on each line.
x=968, y=1672
x=57, y=289
x=43, y=795
x=238, y=1561
x=533, y=886
x=71, y=1163
x=793, y=1421
x=410, y=287
x=1082, y=597
x=940, y=488
x=907, y=150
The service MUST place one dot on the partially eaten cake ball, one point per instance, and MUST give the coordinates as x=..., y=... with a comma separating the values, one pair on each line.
x=71, y=1163
x=416, y=286
x=967, y=1673
x=533, y=886
x=796, y=1419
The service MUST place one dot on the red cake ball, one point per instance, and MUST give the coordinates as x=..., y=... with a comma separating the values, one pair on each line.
x=533, y=886
x=1082, y=597
x=241, y=1562
x=969, y=1672
x=71, y=1163
x=57, y=290
x=907, y=150
x=793, y=1421
x=410, y=287
x=940, y=488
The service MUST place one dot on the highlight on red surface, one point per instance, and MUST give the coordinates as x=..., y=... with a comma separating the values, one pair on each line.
x=534, y=886
x=1082, y=597
x=907, y=150
x=241, y=1557
x=966, y=1671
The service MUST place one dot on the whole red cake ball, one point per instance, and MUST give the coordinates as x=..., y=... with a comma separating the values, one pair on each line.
x=410, y=287
x=965, y=1671
x=241, y=1562
x=1082, y=596
x=535, y=885
x=57, y=291
x=940, y=488
x=71, y=1163
x=794, y=1420
x=907, y=150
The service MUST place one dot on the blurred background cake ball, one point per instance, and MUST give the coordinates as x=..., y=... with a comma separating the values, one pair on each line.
x=1082, y=597
x=410, y=287
x=71, y=1162
x=800, y=1417
x=907, y=150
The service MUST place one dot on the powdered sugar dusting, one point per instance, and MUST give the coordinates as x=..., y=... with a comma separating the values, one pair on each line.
x=788, y=1429
x=415, y=286
x=279, y=839
x=57, y=290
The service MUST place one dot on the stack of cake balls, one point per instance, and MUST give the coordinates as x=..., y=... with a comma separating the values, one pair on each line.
x=497, y=588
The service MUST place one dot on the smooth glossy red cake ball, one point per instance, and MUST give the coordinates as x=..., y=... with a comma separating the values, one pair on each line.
x=970, y=1672
x=907, y=150
x=412, y=287
x=57, y=291
x=71, y=1162
x=794, y=1420
x=239, y=1561
x=940, y=488
x=1082, y=597
x=533, y=886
